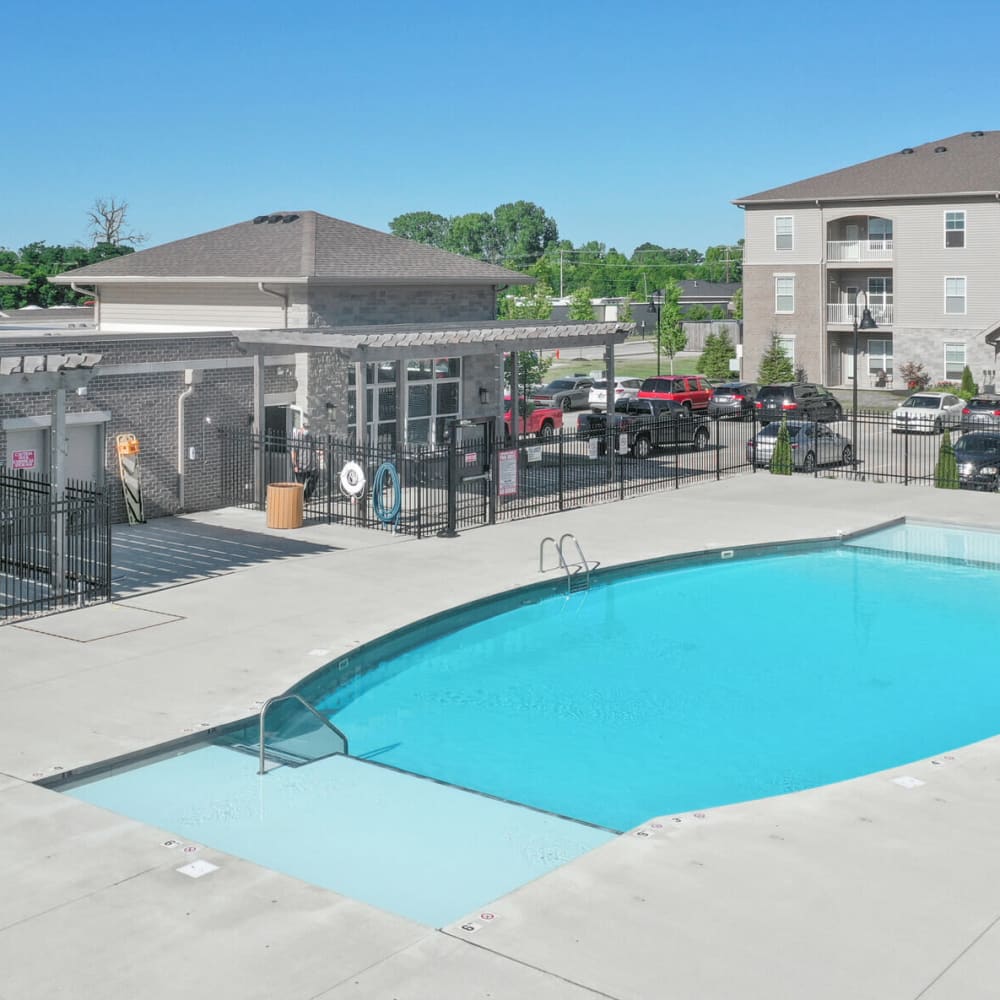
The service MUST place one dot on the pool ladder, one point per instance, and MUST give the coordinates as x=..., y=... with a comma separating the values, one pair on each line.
x=577, y=573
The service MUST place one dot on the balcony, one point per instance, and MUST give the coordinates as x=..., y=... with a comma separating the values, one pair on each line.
x=838, y=251
x=844, y=313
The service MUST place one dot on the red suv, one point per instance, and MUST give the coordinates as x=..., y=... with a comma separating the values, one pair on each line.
x=693, y=391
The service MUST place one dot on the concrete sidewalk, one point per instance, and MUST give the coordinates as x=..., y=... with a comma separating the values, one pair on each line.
x=862, y=889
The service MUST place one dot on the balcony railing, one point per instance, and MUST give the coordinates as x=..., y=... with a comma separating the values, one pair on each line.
x=845, y=312
x=841, y=250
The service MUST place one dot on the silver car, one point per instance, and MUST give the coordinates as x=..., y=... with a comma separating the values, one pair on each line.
x=625, y=388
x=565, y=393
x=812, y=445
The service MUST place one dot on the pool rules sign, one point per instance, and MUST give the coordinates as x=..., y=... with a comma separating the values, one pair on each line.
x=507, y=474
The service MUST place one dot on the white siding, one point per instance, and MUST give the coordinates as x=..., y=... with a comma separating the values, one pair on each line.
x=169, y=307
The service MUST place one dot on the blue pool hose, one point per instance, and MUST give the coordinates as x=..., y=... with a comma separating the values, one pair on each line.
x=378, y=483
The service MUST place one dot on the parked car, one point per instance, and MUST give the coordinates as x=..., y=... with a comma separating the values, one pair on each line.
x=542, y=421
x=929, y=412
x=800, y=400
x=692, y=391
x=648, y=424
x=625, y=388
x=977, y=456
x=812, y=444
x=564, y=392
x=733, y=399
x=981, y=413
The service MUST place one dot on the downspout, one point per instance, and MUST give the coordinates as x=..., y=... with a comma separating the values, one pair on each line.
x=189, y=382
x=95, y=295
x=278, y=295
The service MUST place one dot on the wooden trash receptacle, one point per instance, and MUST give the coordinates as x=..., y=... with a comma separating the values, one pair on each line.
x=284, y=505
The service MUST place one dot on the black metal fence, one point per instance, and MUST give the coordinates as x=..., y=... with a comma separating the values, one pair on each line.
x=55, y=551
x=471, y=481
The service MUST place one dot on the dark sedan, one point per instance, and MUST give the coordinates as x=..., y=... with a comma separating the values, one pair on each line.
x=733, y=399
x=977, y=455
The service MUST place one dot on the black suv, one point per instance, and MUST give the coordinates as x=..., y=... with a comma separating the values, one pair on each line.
x=800, y=400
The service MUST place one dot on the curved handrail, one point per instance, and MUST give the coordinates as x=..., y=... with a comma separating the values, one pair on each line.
x=305, y=704
x=541, y=553
x=579, y=551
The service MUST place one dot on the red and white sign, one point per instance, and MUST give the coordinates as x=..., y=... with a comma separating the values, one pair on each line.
x=507, y=478
x=23, y=459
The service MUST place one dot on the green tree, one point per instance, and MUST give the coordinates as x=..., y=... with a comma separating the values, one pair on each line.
x=782, y=463
x=579, y=305
x=738, y=303
x=946, y=470
x=522, y=232
x=472, y=235
x=424, y=227
x=625, y=311
x=968, y=388
x=532, y=367
x=714, y=360
x=671, y=337
x=717, y=312
x=696, y=313
x=534, y=303
x=775, y=365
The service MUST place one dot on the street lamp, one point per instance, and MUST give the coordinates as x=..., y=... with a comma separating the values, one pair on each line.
x=654, y=306
x=866, y=323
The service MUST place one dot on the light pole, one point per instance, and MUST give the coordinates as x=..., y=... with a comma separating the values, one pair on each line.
x=867, y=323
x=655, y=301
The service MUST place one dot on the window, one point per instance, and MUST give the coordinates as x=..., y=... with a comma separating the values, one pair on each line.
x=879, y=291
x=879, y=230
x=784, y=293
x=954, y=229
x=787, y=344
x=880, y=360
x=784, y=232
x=954, y=295
x=954, y=362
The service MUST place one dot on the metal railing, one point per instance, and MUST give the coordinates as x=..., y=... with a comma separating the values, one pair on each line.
x=849, y=250
x=847, y=312
x=296, y=739
x=578, y=573
x=55, y=551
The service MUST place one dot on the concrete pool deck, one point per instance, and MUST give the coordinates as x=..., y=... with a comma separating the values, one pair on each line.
x=866, y=889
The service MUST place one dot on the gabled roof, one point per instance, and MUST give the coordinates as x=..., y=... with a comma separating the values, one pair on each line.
x=11, y=279
x=296, y=247
x=964, y=164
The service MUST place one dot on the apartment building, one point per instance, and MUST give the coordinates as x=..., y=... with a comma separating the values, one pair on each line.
x=914, y=236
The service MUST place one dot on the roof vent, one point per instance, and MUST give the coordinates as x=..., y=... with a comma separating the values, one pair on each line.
x=976, y=135
x=258, y=219
x=907, y=150
x=275, y=218
x=940, y=149
x=289, y=218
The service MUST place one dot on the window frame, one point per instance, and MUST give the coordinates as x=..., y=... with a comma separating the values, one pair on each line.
x=787, y=343
x=965, y=359
x=789, y=233
x=949, y=230
x=778, y=295
x=964, y=296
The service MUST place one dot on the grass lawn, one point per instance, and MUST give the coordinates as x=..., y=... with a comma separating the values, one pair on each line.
x=628, y=367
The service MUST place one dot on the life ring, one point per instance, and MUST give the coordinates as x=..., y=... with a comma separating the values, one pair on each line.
x=352, y=479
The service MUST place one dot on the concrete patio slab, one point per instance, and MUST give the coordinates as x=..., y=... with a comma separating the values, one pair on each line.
x=864, y=889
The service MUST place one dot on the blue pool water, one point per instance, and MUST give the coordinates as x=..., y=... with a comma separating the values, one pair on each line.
x=655, y=693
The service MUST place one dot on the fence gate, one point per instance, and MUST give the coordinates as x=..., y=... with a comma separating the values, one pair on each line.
x=55, y=552
x=471, y=457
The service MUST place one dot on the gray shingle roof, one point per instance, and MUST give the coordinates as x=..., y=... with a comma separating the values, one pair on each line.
x=295, y=246
x=966, y=163
x=11, y=279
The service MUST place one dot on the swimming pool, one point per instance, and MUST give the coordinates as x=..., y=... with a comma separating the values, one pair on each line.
x=659, y=691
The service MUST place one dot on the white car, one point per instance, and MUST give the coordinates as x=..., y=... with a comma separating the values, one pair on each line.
x=929, y=412
x=625, y=388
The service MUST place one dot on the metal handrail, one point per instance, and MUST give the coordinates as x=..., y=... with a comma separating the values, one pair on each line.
x=305, y=704
x=569, y=569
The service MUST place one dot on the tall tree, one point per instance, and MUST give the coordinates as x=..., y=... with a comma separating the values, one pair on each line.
x=579, y=305
x=671, y=335
x=472, y=235
x=523, y=231
x=775, y=364
x=424, y=227
x=108, y=221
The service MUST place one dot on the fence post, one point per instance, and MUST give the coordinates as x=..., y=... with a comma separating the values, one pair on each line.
x=559, y=471
x=677, y=469
x=718, y=456
x=906, y=449
x=450, y=528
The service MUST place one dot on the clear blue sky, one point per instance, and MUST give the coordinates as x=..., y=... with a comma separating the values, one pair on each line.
x=630, y=122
